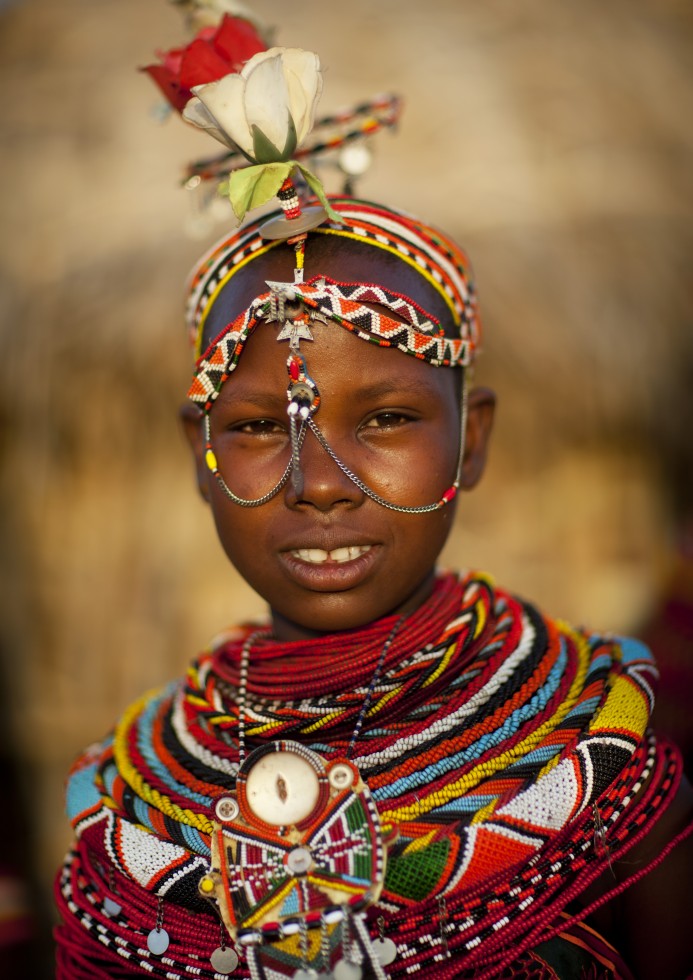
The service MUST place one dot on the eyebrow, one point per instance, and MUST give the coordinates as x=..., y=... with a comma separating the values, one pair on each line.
x=266, y=400
x=392, y=386
x=276, y=400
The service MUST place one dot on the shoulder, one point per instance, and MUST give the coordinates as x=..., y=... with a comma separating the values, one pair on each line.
x=647, y=914
x=656, y=908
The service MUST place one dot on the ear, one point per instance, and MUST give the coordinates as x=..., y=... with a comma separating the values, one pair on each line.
x=481, y=407
x=191, y=417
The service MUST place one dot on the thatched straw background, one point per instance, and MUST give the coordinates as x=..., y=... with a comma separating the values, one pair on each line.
x=552, y=139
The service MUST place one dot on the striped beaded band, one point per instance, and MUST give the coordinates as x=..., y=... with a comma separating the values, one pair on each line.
x=328, y=134
x=344, y=304
x=428, y=252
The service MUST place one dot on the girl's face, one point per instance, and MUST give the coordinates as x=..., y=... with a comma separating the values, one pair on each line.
x=330, y=558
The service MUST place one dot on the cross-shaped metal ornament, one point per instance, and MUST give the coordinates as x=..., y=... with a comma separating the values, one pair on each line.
x=283, y=295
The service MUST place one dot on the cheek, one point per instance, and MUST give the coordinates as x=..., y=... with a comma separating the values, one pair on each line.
x=418, y=540
x=242, y=532
x=250, y=467
x=412, y=474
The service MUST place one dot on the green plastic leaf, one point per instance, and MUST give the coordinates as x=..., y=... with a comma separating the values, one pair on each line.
x=264, y=149
x=254, y=186
x=315, y=185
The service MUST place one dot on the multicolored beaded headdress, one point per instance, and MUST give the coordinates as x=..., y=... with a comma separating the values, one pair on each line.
x=262, y=112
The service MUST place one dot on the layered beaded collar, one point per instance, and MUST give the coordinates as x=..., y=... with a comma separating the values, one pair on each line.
x=506, y=748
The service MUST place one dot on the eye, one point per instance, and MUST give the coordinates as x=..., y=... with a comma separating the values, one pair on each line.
x=258, y=427
x=387, y=420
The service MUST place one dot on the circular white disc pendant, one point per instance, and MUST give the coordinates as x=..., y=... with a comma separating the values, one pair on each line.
x=282, y=788
x=344, y=970
x=158, y=941
x=224, y=960
x=385, y=951
x=305, y=975
x=226, y=809
x=341, y=776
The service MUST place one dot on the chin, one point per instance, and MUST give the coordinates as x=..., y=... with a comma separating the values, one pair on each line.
x=337, y=612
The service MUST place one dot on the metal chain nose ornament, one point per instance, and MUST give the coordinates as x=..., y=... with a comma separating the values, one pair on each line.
x=295, y=310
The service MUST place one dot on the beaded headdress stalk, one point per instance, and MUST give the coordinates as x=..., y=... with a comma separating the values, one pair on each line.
x=297, y=849
x=263, y=111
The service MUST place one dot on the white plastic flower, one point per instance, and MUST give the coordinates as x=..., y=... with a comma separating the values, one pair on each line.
x=267, y=109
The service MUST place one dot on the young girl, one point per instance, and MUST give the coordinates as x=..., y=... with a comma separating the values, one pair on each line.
x=402, y=772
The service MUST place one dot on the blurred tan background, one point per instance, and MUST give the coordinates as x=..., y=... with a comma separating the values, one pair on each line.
x=553, y=140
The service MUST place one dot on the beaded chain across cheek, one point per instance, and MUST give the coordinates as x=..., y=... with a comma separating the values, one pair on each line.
x=298, y=853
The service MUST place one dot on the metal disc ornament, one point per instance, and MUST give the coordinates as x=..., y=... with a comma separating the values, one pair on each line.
x=158, y=941
x=280, y=228
x=224, y=960
x=344, y=970
x=384, y=951
x=305, y=974
x=111, y=908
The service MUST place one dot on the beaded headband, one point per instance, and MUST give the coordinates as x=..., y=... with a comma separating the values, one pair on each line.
x=425, y=250
x=343, y=303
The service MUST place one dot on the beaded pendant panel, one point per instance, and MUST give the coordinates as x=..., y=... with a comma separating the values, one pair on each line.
x=267, y=876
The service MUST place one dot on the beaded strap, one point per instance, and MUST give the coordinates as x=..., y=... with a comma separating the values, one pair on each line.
x=343, y=304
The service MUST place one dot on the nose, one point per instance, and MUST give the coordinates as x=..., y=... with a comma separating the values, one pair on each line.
x=323, y=484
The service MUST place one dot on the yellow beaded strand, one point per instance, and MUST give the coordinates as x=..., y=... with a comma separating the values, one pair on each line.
x=489, y=768
x=136, y=782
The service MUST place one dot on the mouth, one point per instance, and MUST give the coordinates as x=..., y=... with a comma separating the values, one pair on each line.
x=317, y=556
x=334, y=570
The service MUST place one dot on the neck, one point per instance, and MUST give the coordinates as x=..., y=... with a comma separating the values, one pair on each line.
x=286, y=630
x=340, y=661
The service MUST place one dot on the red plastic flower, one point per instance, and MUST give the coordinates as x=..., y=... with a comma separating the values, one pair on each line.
x=214, y=52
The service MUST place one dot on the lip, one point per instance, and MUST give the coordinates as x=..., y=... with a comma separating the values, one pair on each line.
x=330, y=575
x=318, y=556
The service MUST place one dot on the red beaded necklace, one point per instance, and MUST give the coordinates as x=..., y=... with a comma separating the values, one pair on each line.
x=338, y=662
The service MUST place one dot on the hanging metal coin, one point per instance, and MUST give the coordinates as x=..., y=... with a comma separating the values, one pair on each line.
x=305, y=974
x=344, y=970
x=384, y=950
x=111, y=908
x=224, y=960
x=158, y=941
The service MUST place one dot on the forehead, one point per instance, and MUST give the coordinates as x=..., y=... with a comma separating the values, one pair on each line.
x=342, y=365
x=343, y=260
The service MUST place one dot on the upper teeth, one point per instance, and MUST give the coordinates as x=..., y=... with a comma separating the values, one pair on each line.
x=316, y=555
